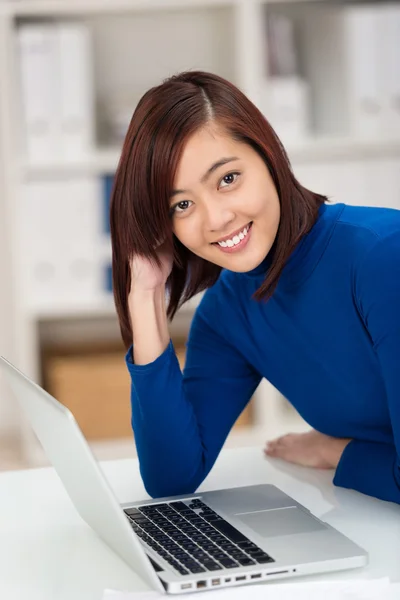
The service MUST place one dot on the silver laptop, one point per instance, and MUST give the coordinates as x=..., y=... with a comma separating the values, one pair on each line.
x=192, y=542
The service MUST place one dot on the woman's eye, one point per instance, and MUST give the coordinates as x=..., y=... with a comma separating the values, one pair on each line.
x=229, y=179
x=181, y=206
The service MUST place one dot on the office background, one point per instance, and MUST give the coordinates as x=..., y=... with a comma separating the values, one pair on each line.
x=327, y=76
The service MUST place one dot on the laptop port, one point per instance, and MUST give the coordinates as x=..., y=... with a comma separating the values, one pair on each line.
x=227, y=579
x=201, y=584
x=186, y=586
x=277, y=573
x=241, y=578
x=215, y=581
x=255, y=576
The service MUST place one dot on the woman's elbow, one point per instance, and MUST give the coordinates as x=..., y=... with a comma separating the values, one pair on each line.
x=159, y=490
x=157, y=486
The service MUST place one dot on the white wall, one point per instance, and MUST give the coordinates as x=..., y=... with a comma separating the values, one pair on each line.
x=8, y=409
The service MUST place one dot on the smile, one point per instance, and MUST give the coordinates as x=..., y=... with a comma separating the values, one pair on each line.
x=237, y=242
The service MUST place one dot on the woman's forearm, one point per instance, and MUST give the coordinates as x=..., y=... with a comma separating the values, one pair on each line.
x=147, y=309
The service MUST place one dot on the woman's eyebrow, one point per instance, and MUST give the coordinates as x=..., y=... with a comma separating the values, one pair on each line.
x=214, y=167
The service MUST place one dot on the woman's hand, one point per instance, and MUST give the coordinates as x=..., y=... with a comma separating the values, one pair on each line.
x=146, y=276
x=311, y=449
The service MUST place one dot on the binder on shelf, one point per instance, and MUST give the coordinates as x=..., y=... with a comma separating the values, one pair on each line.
x=390, y=68
x=59, y=245
x=108, y=285
x=362, y=40
x=108, y=181
x=57, y=90
x=76, y=89
x=286, y=102
x=37, y=51
x=284, y=92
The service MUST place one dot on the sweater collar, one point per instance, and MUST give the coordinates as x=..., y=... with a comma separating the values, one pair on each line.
x=308, y=251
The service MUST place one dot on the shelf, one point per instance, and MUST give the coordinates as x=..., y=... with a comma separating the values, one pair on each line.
x=102, y=308
x=105, y=161
x=33, y=8
x=101, y=162
x=341, y=148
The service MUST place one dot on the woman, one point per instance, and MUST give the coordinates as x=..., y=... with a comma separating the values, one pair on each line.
x=303, y=293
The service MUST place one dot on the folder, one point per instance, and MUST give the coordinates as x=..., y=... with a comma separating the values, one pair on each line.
x=39, y=73
x=363, y=39
x=76, y=93
x=390, y=68
x=59, y=245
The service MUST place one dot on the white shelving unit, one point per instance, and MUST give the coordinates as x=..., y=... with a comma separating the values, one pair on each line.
x=136, y=44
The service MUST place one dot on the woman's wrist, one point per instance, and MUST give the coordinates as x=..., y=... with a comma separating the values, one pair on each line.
x=138, y=295
x=333, y=450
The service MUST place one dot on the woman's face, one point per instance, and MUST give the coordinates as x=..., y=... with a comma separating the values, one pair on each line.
x=224, y=206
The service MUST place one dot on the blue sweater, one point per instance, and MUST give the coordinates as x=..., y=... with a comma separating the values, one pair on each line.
x=328, y=340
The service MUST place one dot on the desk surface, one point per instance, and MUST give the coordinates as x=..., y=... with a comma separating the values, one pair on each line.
x=48, y=552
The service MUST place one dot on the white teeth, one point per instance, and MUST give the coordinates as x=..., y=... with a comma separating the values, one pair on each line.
x=235, y=240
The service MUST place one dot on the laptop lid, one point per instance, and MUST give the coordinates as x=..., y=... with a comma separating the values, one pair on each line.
x=70, y=455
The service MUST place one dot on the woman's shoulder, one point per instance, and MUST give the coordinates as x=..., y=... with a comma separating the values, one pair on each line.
x=368, y=224
x=370, y=237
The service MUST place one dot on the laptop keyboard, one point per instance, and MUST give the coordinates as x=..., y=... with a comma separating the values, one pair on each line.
x=193, y=538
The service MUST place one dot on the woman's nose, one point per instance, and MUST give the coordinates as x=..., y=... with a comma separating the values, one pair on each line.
x=218, y=218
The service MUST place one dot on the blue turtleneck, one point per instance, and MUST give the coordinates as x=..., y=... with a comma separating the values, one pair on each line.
x=328, y=340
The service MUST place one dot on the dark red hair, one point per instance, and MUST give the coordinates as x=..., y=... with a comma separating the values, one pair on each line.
x=164, y=119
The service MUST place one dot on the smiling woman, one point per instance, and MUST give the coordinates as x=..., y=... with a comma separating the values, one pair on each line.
x=229, y=218
x=303, y=293
x=198, y=164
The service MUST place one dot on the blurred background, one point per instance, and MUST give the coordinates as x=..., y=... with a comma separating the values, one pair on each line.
x=327, y=76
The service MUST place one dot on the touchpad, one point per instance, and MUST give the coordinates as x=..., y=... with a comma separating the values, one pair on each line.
x=285, y=521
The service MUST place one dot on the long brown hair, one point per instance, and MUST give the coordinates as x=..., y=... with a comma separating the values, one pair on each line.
x=164, y=119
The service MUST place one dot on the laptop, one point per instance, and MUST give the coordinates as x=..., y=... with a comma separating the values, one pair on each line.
x=187, y=543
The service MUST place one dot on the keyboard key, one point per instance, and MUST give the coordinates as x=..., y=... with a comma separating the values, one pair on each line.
x=229, y=531
x=235, y=555
x=148, y=510
x=200, y=555
x=197, y=569
x=210, y=565
x=139, y=519
x=132, y=512
x=247, y=545
x=196, y=503
x=246, y=561
x=194, y=519
x=178, y=506
x=264, y=559
x=253, y=551
x=219, y=556
x=228, y=563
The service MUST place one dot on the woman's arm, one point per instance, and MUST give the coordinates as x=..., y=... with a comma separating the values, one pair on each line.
x=374, y=468
x=149, y=324
x=180, y=420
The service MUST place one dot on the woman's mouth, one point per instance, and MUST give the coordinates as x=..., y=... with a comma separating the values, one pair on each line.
x=238, y=241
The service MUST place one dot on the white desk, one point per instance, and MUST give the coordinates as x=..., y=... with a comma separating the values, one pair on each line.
x=48, y=553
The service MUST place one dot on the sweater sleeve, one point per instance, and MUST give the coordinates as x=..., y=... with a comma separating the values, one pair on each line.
x=374, y=468
x=181, y=420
